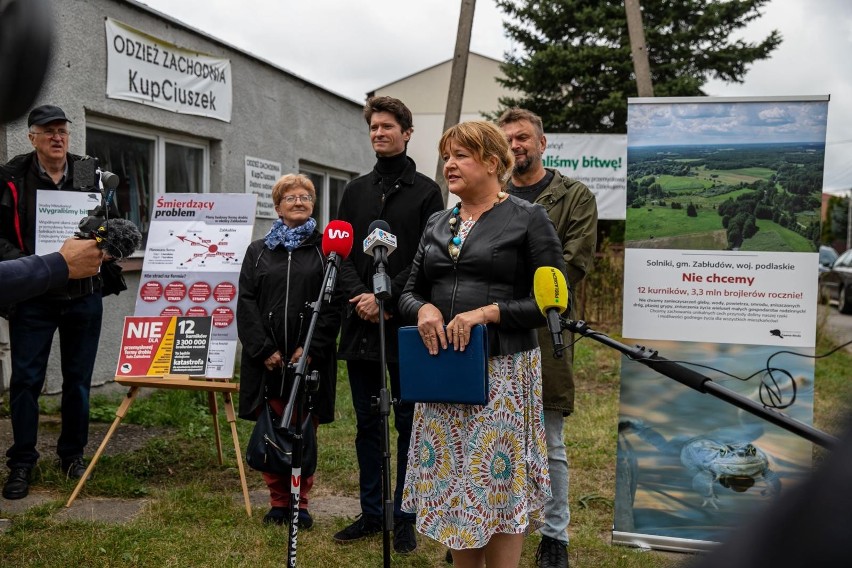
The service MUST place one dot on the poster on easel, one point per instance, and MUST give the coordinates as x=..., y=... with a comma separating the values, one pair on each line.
x=196, y=244
x=156, y=346
x=721, y=234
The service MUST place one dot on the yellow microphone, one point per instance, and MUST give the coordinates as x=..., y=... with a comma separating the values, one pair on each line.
x=551, y=296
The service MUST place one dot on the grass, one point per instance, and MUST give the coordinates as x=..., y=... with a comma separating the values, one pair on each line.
x=194, y=514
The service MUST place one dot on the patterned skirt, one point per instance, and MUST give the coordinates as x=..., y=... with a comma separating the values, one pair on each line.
x=476, y=471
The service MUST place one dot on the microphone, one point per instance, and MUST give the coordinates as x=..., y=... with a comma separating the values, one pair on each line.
x=118, y=237
x=379, y=242
x=551, y=296
x=336, y=244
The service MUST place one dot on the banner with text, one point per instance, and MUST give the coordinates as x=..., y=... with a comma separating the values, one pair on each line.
x=720, y=275
x=58, y=216
x=261, y=175
x=144, y=69
x=597, y=160
x=196, y=244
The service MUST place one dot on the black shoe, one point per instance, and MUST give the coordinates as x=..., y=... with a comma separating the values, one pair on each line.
x=404, y=537
x=17, y=485
x=275, y=516
x=306, y=521
x=73, y=468
x=448, y=558
x=551, y=553
x=364, y=526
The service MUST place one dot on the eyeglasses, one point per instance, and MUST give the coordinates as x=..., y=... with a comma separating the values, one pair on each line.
x=50, y=133
x=291, y=199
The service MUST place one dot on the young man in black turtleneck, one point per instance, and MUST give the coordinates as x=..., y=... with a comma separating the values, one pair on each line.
x=396, y=193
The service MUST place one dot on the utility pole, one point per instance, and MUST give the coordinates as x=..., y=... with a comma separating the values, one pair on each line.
x=849, y=220
x=455, y=94
x=638, y=49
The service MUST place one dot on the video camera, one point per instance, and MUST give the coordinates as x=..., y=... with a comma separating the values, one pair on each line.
x=118, y=237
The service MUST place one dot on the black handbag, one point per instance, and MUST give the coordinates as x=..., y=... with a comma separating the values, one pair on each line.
x=270, y=450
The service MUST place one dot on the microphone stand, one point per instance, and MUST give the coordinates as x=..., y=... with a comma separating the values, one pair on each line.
x=381, y=290
x=705, y=385
x=296, y=399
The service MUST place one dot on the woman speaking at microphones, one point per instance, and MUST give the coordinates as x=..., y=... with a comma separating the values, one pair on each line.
x=477, y=474
x=281, y=274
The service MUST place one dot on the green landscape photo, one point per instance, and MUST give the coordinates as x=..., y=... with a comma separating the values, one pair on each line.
x=725, y=176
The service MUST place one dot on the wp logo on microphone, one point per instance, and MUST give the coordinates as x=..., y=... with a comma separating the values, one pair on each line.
x=338, y=234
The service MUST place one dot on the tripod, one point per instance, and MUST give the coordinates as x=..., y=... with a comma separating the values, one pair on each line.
x=382, y=291
x=300, y=386
x=704, y=385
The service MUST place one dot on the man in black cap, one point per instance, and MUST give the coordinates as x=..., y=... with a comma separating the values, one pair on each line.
x=75, y=309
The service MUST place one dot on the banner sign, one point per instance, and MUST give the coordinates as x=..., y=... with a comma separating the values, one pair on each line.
x=164, y=345
x=261, y=175
x=196, y=245
x=58, y=216
x=720, y=275
x=144, y=69
x=597, y=160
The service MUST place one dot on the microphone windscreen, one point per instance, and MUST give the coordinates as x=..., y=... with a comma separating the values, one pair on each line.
x=379, y=224
x=550, y=289
x=122, y=238
x=338, y=238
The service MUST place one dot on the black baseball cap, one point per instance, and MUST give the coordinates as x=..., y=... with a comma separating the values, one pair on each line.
x=45, y=114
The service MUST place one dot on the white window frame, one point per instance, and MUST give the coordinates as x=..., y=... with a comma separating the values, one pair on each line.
x=160, y=138
x=324, y=191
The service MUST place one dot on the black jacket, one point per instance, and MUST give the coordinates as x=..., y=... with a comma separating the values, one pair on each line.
x=17, y=229
x=272, y=314
x=497, y=262
x=406, y=208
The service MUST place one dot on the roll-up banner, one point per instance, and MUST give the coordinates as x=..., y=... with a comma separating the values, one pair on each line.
x=722, y=228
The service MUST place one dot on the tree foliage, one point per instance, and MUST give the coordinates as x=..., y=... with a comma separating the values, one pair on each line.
x=574, y=68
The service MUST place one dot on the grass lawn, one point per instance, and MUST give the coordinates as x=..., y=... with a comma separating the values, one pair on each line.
x=194, y=514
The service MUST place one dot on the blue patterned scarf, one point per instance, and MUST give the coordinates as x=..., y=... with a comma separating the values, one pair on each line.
x=281, y=234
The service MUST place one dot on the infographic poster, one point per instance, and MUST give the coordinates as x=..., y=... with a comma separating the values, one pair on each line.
x=156, y=346
x=721, y=234
x=196, y=245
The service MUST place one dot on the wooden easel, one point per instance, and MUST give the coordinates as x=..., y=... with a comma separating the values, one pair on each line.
x=181, y=382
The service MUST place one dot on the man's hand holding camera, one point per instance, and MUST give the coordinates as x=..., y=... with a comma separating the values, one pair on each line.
x=82, y=256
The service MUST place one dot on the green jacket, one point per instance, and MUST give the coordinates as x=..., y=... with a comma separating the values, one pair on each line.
x=572, y=208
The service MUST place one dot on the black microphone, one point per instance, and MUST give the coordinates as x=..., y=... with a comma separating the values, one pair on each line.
x=380, y=243
x=118, y=237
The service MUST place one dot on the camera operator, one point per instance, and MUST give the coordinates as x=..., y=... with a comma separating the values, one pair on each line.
x=75, y=309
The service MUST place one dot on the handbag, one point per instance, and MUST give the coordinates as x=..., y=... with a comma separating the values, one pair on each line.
x=456, y=377
x=270, y=450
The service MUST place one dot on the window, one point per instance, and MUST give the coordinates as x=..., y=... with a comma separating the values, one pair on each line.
x=329, y=185
x=147, y=162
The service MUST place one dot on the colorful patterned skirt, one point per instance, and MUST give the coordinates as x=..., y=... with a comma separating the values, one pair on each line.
x=475, y=471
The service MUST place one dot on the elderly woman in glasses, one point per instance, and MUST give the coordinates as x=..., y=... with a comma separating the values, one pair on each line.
x=281, y=274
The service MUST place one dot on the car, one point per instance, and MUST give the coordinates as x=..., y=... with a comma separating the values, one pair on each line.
x=827, y=256
x=835, y=284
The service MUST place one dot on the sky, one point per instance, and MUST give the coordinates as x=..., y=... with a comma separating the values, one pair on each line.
x=352, y=47
x=727, y=123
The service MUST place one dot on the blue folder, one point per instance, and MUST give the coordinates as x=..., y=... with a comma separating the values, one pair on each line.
x=458, y=377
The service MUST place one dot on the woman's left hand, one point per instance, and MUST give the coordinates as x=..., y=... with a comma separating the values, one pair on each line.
x=458, y=330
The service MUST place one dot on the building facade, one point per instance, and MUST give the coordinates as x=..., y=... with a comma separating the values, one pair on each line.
x=208, y=118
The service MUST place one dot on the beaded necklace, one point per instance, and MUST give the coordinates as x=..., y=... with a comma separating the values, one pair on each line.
x=454, y=246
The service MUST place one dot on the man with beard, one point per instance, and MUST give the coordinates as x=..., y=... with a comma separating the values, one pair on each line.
x=572, y=208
